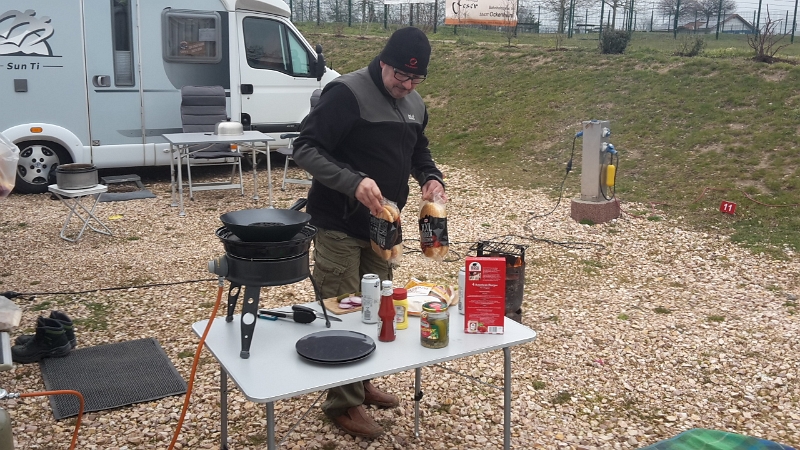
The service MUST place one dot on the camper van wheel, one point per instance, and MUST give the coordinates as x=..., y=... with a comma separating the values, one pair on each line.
x=37, y=162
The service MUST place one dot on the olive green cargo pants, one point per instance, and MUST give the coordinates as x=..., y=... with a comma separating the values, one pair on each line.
x=339, y=263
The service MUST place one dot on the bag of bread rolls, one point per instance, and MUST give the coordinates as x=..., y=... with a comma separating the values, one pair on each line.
x=385, y=232
x=9, y=156
x=433, y=228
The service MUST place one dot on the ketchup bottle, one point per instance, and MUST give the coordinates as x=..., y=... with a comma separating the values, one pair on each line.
x=386, y=325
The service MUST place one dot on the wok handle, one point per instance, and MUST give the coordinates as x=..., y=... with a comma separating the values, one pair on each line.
x=299, y=204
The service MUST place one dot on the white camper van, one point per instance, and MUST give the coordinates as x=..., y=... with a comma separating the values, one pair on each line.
x=99, y=81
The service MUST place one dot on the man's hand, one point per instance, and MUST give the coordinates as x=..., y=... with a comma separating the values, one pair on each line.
x=368, y=193
x=431, y=188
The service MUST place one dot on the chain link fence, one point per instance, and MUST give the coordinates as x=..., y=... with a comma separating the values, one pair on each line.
x=570, y=17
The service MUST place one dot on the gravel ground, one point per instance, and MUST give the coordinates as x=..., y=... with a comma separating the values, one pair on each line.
x=646, y=328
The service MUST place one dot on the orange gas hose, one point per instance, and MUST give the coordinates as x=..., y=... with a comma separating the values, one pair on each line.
x=80, y=411
x=194, y=368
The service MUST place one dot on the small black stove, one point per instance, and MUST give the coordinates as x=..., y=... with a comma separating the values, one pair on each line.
x=258, y=264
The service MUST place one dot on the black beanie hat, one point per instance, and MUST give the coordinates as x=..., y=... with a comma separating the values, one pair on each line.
x=408, y=50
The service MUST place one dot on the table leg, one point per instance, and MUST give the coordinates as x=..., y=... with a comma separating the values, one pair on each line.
x=269, y=176
x=255, y=179
x=92, y=216
x=63, y=233
x=223, y=405
x=182, y=212
x=417, y=398
x=271, y=426
x=73, y=203
x=174, y=202
x=506, y=398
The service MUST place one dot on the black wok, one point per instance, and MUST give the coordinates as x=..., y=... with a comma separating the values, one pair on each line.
x=267, y=225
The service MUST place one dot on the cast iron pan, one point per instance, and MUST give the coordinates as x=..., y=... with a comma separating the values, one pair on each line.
x=267, y=225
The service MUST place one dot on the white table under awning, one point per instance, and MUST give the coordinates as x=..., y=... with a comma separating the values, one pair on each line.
x=179, y=145
x=274, y=371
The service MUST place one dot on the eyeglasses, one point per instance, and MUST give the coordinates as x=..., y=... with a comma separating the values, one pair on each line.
x=403, y=77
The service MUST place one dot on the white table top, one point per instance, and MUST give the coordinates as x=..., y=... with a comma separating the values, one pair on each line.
x=211, y=138
x=96, y=189
x=275, y=371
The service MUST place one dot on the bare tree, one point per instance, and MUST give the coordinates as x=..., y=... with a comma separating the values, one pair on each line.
x=509, y=22
x=668, y=8
x=710, y=8
x=766, y=43
x=561, y=9
x=613, y=5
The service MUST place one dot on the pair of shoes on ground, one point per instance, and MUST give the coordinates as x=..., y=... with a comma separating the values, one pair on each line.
x=356, y=422
x=54, y=338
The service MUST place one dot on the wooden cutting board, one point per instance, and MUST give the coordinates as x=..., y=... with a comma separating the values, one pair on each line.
x=332, y=304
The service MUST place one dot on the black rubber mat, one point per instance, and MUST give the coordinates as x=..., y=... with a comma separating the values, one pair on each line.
x=123, y=196
x=112, y=375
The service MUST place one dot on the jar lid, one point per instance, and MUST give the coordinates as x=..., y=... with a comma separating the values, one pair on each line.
x=399, y=293
x=434, y=307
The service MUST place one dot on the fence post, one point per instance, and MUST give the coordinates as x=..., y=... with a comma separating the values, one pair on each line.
x=675, y=27
x=385, y=16
x=435, y=15
x=758, y=18
x=317, y=12
x=600, y=33
x=794, y=22
x=349, y=13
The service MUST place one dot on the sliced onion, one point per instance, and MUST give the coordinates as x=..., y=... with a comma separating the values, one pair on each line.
x=355, y=301
x=344, y=305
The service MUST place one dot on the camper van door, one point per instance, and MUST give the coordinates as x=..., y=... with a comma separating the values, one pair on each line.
x=276, y=72
x=115, y=106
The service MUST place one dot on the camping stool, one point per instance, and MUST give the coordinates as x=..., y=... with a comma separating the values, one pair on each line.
x=72, y=199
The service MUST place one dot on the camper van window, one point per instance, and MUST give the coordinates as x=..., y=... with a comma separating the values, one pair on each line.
x=271, y=45
x=121, y=36
x=191, y=36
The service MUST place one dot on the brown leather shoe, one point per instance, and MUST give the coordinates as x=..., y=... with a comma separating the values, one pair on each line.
x=357, y=422
x=374, y=396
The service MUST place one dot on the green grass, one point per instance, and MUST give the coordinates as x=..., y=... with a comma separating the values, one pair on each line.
x=691, y=132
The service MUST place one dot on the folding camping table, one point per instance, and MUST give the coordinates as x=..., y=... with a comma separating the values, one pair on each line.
x=179, y=144
x=73, y=200
x=274, y=370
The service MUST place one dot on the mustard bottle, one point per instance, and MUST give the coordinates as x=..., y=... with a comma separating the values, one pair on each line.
x=400, y=301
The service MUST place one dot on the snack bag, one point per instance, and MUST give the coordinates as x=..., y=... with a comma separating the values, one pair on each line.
x=433, y=228
x=385, y=233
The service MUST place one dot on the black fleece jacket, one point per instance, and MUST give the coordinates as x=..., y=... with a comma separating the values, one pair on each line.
x=358, y=130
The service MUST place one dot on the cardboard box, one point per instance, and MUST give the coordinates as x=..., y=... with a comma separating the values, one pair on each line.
x=485, y=295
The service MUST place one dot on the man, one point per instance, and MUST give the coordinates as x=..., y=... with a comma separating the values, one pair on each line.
x=361, y=142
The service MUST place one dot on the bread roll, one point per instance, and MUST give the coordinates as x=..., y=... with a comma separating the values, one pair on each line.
x=385, y=254
x=433, y=209
x=391, y=214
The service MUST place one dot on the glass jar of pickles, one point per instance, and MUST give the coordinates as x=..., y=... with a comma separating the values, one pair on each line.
x=434, y=325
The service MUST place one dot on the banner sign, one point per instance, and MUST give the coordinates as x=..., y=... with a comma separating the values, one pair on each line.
x=406, y=2
x=481, y=12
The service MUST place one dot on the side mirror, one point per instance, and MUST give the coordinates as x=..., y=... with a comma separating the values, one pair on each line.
x=319, y=67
